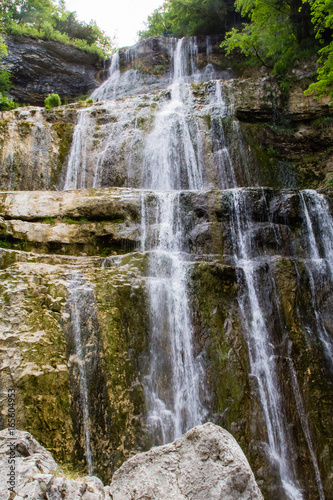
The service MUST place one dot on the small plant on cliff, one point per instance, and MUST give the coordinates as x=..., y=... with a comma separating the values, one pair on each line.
x=52, y=101
x=6, y=104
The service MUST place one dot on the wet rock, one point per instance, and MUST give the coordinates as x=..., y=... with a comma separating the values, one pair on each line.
x=205, y=463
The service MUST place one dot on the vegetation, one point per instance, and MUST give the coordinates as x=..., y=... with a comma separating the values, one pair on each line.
x=191, y=17
x=52, y=101
x=5, y=83
x=279, y=34
x=322, y=18
x=48, y=20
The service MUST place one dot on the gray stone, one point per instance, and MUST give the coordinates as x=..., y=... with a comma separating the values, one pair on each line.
x=206, y=463
x=38, y=477
x=40, y=67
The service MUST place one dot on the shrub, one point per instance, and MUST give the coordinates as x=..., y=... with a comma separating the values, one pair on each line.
x=52, y=101
x=6, y=104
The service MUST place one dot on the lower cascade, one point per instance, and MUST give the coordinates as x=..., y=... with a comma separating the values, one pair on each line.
x=171, y=284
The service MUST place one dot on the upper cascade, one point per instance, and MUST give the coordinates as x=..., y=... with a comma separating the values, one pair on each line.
x=134, y=71
x=161, y=140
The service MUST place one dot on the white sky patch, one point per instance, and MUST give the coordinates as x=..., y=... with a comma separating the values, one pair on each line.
x=122, y=17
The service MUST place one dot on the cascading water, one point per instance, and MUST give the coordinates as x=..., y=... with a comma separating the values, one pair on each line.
x=108, y=89
x=76, y=170
x=261, y=351
x=172, y=162
x=320, y=262
x=11, y=154
x=172, y=386
x=78, y=289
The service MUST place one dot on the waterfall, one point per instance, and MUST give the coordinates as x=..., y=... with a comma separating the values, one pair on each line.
x=320, y=262
x=109, y=87
x=171, y=162
x=172, y=386
x=77, y=162
x=78, y=291
x=305, y=426
x=260, y=348
x=11, y=154
x=171, y=159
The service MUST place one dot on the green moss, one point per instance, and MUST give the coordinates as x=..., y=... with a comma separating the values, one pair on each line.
x=24, y=128
x=14, y=244
x=207, y=119
x=123, y=319
x=323, y=122
x=49, y=220
x=197, y=89
x=214, y=291
x=64, y=135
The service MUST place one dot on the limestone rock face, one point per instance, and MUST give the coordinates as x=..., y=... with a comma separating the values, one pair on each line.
x=206, y=463
x=40, y=67
x=37, y=476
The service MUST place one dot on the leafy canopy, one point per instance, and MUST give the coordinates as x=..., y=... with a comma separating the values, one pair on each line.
x=51, y=20
x=278, y=32
x=322, y=18
x=190, y=17
x=281, y=32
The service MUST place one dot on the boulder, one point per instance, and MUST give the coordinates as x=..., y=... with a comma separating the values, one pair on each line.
x=37, y=476
x=205, y=463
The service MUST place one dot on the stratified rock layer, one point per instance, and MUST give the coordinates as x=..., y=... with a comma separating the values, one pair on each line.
x=40, y=67
x=205, y=463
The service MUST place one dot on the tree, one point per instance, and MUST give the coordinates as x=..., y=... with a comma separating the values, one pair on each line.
x=322, y=18
x=279, y=32
x=5, y=83
x=47, y=19
x=190, y=17
x=10, y=9
x=37, y=12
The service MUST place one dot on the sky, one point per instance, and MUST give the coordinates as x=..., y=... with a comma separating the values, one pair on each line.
x=121, y=17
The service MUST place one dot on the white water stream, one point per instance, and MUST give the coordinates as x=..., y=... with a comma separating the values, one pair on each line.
x=261, y=351
x=320, y=263
x=77, y=293
x=173, y=384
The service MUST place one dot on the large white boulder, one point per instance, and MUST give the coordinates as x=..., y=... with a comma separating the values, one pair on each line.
x=204, y=464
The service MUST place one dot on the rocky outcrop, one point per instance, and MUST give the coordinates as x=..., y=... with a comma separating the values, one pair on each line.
x=40, y=67
x=205, y=463
x=294, y=149
x=34, y=144
x=36, y=475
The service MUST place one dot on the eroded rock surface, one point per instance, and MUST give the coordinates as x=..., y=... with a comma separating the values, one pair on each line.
x=205, y=463
x=37, y=476
x=40, y=67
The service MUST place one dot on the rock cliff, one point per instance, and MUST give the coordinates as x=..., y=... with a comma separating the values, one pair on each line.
x=40, y=67
x=294, y=149
x=90, y=241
